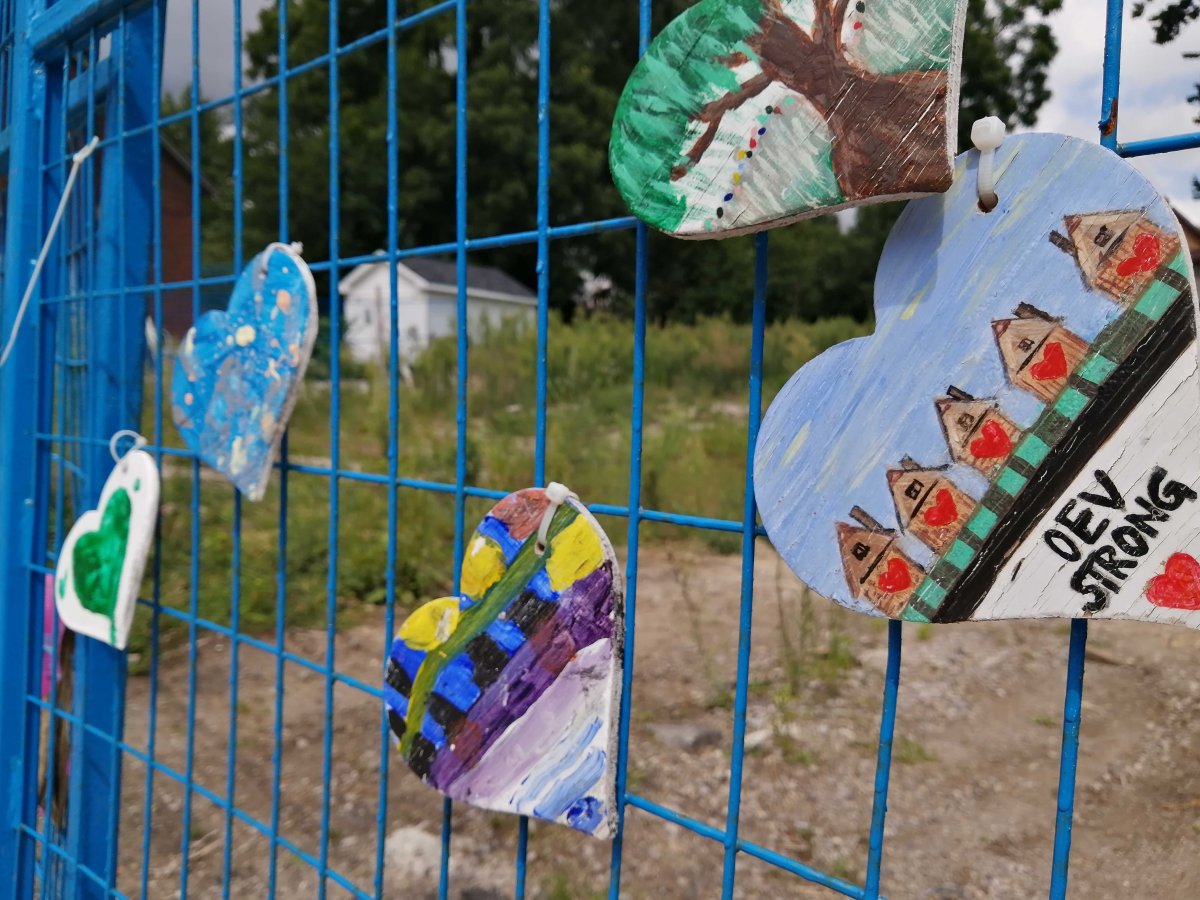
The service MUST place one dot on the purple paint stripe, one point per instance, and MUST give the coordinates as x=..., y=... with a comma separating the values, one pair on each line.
x=584, y=616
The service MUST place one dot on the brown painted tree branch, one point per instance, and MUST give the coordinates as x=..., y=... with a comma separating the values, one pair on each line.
x=713, y=113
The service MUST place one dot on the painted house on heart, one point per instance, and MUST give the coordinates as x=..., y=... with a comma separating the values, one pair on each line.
x=977, y=433
x=426, y=303
x=929, y=505
x=1039, y=354
x=1118, y=253
x=874, y=565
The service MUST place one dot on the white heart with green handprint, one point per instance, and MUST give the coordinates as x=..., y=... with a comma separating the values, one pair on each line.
x=102, y=560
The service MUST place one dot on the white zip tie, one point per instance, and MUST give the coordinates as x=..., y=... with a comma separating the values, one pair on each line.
x=987, y=134
x=557, y=494
x=138, y=443
x=76, y=161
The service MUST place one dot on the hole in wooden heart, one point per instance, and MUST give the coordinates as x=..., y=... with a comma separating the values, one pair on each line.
x=987, y=204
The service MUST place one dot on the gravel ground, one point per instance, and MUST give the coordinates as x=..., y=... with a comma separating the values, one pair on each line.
x=972, y=803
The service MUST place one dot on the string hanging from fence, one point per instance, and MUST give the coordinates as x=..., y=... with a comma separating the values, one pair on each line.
x=77, y=162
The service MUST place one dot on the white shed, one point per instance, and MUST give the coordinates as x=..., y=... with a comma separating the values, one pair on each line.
x=426, y=302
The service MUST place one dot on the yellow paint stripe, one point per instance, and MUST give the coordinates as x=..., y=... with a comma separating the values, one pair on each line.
x=574, y=553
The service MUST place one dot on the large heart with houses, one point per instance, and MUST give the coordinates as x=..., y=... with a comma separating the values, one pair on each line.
x=239, y=370
x=507, y=695
x=749, y=114
x=101, y=563
x=1020, y=437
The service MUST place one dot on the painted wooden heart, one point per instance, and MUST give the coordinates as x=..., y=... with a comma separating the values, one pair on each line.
x=238, y=371
x=507, y=696
x=1067, y=444
x=749, y=114
x=101, y=562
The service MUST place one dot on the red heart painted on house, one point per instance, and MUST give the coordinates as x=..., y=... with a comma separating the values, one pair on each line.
x=1053, y=364
x=944, y=510
x=992, y=442
x=896, y=578
x=1179, y=586
x=1147, y=252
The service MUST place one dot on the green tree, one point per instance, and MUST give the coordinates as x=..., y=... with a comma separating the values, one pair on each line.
x=816, y=270
x=850, y=136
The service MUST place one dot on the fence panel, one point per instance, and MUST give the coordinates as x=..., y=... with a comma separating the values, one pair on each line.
x=81, y=371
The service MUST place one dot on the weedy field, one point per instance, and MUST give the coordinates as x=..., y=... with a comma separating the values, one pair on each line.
x=693, y=461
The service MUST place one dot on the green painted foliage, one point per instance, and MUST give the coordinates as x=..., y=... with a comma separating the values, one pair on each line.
x=678, y=75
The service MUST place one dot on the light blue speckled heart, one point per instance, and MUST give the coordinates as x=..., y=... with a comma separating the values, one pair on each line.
x=238, y=371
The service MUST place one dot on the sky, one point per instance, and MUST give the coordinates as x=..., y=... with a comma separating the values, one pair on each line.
x=947, y=272
x=1155, y=80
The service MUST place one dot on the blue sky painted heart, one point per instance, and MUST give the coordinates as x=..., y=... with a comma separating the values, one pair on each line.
x=947, y=272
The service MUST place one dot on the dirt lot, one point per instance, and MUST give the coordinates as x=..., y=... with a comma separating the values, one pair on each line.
x=972, y=801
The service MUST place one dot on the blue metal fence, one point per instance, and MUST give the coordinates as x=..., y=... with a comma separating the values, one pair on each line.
x=72, y=68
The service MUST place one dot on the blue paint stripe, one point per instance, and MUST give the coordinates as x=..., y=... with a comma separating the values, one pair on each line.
x=456, y=682
x=433, y=732
x=406, y=657
x=395, y=700
x=539, y=584
x=506, y=634
x=494, y=529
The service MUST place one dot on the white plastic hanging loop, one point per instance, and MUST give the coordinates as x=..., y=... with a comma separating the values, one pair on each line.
x=557, y=494
x=138, y=443
x=76, y=161
x=294, y=247
x=987, y=135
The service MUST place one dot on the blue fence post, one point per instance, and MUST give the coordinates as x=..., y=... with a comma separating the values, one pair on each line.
x=116, y=355
x=18, y=388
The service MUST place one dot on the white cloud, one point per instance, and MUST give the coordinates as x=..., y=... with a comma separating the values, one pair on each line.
x=1155, y=82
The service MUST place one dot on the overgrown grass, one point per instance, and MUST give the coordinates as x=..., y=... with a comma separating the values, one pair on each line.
x=693, y=459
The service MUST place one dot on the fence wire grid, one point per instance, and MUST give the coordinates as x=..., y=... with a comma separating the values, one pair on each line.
x=81, y=371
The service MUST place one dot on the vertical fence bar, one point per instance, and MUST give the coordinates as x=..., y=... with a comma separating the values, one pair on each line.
x=335, y=442
x=393, y=432
x=194, y=536
x=157, y=13
x=235, y=574
x=883, y=764
x=749, y=515
x=543, y=235
x=118, y=254
x=460, y=407
x=281, y=47
x=117, y=47
x=21, y=497
x=99, y=681
x=1068, y=760
x=543, y=317
x=633, y=532
x=55, y=141
x=1111, y=78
